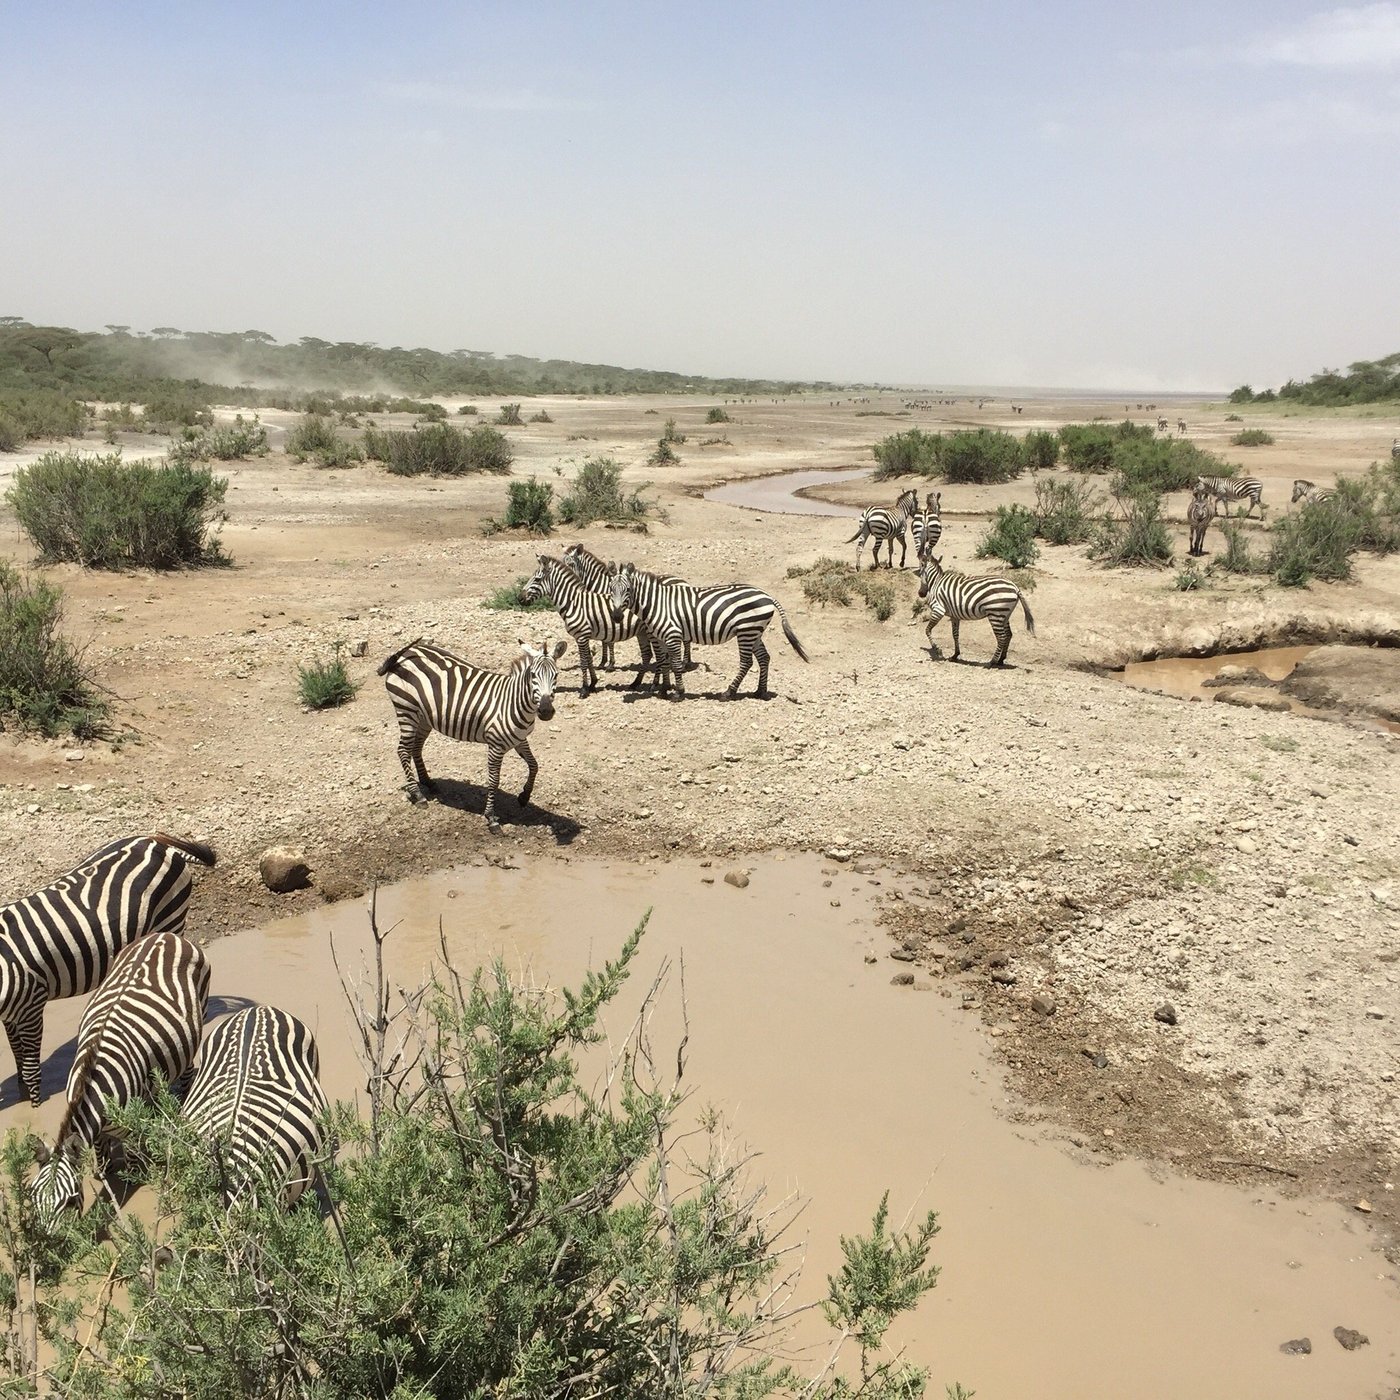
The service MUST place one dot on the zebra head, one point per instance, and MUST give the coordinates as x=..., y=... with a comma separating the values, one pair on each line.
x=59, y=1186
x=933, y=502
x=929, y=574
x=622, y=588
x=542, y=675
x=538, y=584
x=907, y=502
x=1300, y=489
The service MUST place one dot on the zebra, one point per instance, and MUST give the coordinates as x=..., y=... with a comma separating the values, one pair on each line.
x=1234, y=488
x=1395, y=449
x=960, y=598
x=672, y=612
x=431, y=689
x=926, y=525
x=145, y=1017
x=1309, y=494
x=597, y=574
x=1181, y=426
x=256, y=1099
x=1199, y=514
x=884, y=526
x=1161, y=424
x=60, y=940
x=585, y=613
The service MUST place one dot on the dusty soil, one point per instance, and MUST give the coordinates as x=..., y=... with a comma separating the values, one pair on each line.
x=1110, y=849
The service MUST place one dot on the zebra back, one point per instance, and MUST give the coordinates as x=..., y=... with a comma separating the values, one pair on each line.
x=257, y=1100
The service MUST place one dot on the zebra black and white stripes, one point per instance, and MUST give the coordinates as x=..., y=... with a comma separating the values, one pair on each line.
x=1235, y=488
x=433, y=690
x=1199, y=514
x=1309, y=494
x=597, y=574
x=884, y=526
x=145, y=1017
x=257, y=1100
x=673, y=612
x=926, y=526
x=959, y=598
x=60, y=940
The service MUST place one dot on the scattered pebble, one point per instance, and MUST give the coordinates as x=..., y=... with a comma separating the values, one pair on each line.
x=1299, y=1346
x=1350, y=1338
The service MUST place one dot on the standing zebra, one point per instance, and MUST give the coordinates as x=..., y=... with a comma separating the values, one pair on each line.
x=60, y=940
x=1235, y=488
x=959, y=598
x=257, y=1099
x=1395, y=449
x=146, y=1016
x=1309, y=494
x=585, y=614
x=927, y=525
x=1199, y=514
x=431, y=689
x=597, y=574
x=884, y=526
x=673, y=612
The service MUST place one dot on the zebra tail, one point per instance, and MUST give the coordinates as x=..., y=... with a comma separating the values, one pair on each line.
x=205, y=855
x=790, y=634
x=852, y=540
x=390, y=661
x=1026, y=608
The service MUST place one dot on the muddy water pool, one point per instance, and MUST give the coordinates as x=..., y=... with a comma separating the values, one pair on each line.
x=1061, y=1277
x=778, y=493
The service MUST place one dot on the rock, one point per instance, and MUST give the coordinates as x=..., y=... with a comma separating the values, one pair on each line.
x=840, y=855
x=1364, y=1206
x=738, y=878
x=1043, y=1003
x=1166, y=1014
x=1253, y=699
x=1351, y=679
x=73, y=755
x=360, y=646
x=284, y=870
x=902, y=979
x=1375, y=1013
x=1096, y=1058
x=1247, y=845
x=1239, y=675
x=997, y=959
x=902, y=955
x=871, y=958
x=1004, y=977
x=1350, y=1338
x=1299, y=1346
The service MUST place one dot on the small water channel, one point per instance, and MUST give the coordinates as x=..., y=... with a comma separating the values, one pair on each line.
x=1062, y=1279
x=778, y=493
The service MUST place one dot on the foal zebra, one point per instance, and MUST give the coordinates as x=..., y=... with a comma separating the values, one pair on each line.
x=586, y=614
x=926, y=525
x=960, y=598
x=597, y=574
x=673, y=612
x=884, y=526
x=431, y=689
x=60, y=940
x=1199, y=514
x=1235, y=488
x=257, y=1101
x=146, y=1016
x=1309, y=494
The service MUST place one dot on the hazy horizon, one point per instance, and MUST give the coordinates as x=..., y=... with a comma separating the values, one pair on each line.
x=1108, y=194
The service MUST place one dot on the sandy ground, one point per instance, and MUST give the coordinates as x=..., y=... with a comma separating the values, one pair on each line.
x=1107, y=848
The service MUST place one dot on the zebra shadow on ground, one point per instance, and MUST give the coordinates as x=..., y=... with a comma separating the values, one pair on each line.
x=934, y=654
x=471, y=797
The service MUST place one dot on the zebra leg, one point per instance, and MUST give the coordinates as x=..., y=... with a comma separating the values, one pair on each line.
x=411, y=741
x=745, y=661
x=670, y=660
x=903, y=551
x=688, y=663
x=25, y=1029
x=523, y=749
x=585, y=667
x=957, y=645
x=1001, y=630
x=609, y=655
x=761, y=651
x=494, y=755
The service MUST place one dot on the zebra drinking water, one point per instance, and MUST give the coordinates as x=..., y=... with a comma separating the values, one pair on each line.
x=1309, y=494
x=431, y=689
x=60, y=940
x=257, y=1095
x=586, y=614
x=1199, y=514
x=884, y=526
x=1235, y=488
x=145, y=1017
x=926, y=525
x=672, y=612
x=960, y=598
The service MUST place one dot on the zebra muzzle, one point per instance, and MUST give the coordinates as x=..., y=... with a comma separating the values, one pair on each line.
x=546, y=710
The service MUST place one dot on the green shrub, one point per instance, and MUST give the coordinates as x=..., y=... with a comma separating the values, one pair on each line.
x=983, y=456
x=717, y=415
x=1159, y=465
x=910, y=453
x=1233, y=418
x=529, y=506
x=879, y=596
x=227, y=442
x=1252, y=437
x=314, y=434
x=324, y=685
x=45, y=684
x=509, y=415
x=172, y=408
x=1087, y=447
x=434, y=412
x=1138, y=537
x=596, y=493
x=108, y=514
x=1316, y=542
x=669, y=432
x=664, y=456
x=1041, y=450
x=1064, y=511
x=831, y=580
x=438, y=449
x=509, y=599
x=1237, y=558
x=468, y=410
x=541, y=417
x=1189, y=578
x=34, y=414
x=1011, y=537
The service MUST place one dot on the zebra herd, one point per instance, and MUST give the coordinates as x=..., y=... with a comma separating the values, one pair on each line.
x=114, y=925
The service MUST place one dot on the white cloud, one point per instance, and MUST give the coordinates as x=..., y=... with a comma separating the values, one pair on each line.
x=1359, y=37
x=460, y=97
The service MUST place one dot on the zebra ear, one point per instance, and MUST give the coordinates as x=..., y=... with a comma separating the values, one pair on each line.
x=42, y=1155
x=559, y=649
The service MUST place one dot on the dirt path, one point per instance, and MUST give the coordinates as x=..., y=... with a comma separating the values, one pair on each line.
x=1117, y=849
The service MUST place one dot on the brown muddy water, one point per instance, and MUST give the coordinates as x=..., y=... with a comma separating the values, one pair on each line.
x=778, y=493
x=1063, y=1278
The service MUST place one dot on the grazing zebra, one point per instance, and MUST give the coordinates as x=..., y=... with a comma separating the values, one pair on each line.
x=597, y=574
x=431, y=689
x=60, y=941
x=1161, y=424
x=1199, y=514
x=884, y=526
x=146, y=1016
x=257, y=1099
x=586, y=614
x=1235, y=488
x=927, y=525
x=1309, y=494
x=672, y=612
x=959, y=598
x=1181, y=426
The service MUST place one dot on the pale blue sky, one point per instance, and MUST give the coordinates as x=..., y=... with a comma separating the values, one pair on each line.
x=1093, y=194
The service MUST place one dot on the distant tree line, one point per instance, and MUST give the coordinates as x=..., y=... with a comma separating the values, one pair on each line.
x=1366, y=381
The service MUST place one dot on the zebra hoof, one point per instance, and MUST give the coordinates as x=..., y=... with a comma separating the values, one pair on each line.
x=493, y=826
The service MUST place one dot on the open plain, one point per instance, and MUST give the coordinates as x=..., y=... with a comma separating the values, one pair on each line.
x=1065, y=838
